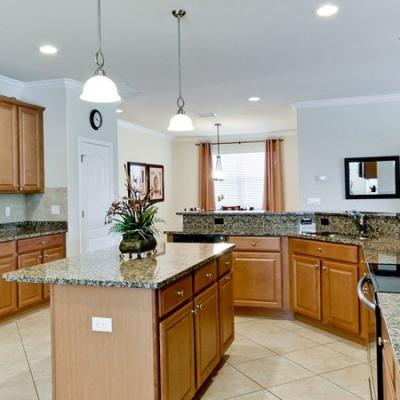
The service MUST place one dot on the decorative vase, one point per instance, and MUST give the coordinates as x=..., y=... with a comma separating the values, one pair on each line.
x=135, y=244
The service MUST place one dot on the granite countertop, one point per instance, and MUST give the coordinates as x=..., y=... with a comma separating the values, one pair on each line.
x=105, y=269
x=30, y=229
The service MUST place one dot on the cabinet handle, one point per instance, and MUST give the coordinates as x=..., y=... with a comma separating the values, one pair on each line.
x=316, y=266
x=253, y=244
x=319, y=249
x=324, y=268
x=199, y=307
x=209, y=275
x=43, y=242
x=228, y=278
x=227, y=263
x=194, y=311
x=180, y=293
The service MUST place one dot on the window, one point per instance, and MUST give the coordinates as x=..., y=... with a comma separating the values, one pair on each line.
x=244, y=180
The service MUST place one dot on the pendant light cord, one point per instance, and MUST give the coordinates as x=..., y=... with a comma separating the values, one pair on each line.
x=218, y=143
x=180, y=101
x=99, y=54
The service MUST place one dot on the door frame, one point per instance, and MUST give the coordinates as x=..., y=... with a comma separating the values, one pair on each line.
x=84, y=140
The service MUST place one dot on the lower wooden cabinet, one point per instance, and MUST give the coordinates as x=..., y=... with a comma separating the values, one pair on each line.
x=177, y=355
x=258, y=279
x=341, y=306
x=207, y=333
x=225, y=286
x=49, y=255
x=8, y=290
x=306, y=288
x=29, y=293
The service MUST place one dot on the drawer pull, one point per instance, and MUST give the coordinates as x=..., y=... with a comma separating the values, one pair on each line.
x=324, y=268
x=227, y=263
x=209, y=275
x=199, y=307
x=194, y=311
x=319, y=249
x=180, y=293
x=228, y=278
x=253, y=244
x=43, y=242
x=316, y=266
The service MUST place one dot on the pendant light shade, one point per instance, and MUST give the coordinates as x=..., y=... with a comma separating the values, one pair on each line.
x=180, y=122
x=99, y=88
x=218, y=173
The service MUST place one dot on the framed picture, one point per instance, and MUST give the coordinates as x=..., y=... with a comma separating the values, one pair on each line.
x=156, y=182
x=138, y=175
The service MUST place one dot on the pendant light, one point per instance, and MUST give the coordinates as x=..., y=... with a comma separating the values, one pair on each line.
x=218, y=173
x=99, y=88
x=180, y=122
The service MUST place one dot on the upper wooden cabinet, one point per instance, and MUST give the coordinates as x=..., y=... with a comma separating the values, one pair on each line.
x=21, y=152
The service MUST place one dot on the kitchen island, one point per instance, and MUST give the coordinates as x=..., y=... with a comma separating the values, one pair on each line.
x=137, y=329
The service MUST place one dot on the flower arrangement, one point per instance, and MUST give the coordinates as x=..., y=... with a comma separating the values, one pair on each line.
x=135, y=217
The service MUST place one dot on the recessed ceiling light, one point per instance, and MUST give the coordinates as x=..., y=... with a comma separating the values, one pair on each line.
x=254, y=99
x=327, y=10
x=120, y=110
x=48, y=49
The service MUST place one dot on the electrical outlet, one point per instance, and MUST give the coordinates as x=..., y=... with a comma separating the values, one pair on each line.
x=100, y=324
x=8, y=211
x=55, y=209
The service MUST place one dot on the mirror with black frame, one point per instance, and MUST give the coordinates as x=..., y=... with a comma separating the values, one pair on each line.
x=372, y=177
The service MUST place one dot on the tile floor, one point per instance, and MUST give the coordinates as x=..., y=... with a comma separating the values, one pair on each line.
x=270, y=360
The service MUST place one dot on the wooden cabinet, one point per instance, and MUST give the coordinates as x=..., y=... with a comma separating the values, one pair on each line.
x=307, y=286
x=341, y=306
x=324, y=280
x=21, y=154
x=29, y=293
x=8, y=290
x=177, y=355
x=258, y=279
x=49, y=255
x=9, y=164
x=207, y=333
x=225, y=291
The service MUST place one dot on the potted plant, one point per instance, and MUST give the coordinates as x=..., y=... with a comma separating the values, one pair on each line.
x=135, y=218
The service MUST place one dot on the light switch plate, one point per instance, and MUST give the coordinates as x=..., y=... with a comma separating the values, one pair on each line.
x=8, y=211
x=100, y=324
x=313, y=201
x=55, y=209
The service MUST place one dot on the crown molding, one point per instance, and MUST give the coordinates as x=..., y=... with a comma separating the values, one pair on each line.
x=141, y=129
x=11, y=82
x=59, y=83
x=345, y=101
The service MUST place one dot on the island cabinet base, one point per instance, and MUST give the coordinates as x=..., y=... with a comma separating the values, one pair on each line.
x=164, y=343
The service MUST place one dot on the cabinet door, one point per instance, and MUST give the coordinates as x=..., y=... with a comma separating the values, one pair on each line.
x=226, y=311
x=307, y=286
x=177, y=355
x=207, y=333
x=29, y=293
x=49, y=255
x=341, y=306
x=8, y=290
x=31, y=150
x=258, y=279
x=9, y=170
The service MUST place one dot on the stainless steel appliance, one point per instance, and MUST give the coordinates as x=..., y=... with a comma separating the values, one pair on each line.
x=380, y=278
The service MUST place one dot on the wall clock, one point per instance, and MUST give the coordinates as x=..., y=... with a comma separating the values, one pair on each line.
x=96, y=119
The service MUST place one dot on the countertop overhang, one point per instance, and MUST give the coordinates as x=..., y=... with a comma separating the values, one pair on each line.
x=105, y=268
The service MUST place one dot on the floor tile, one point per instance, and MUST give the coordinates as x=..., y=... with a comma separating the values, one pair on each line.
x=284, y=342
x=243, y=318
x=273, y=371
x=257, y=328
x=229, y=383
x=37, y=347
x=243, y=350
x=314, y=388
x=260, y=395
x=320, y=359
x=41, y=367
x=15, y=373
x=24, y=391
x=11, y=351
x=353, y=350
x=354, y=379
x=288, y=325
x=43, y=386
x=317, y=335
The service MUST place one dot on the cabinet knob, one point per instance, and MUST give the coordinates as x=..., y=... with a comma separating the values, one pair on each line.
x=199, y=307
x=316, y=266
x=194, y=311
x=324, y=268
x=227, y=263
x=228, y=278
x=319, y=249
x=253, y=244
x=180, y=293
x=43, y=242
x=209, y=275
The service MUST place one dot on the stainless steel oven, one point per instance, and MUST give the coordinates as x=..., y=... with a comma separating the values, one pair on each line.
x=368, y=297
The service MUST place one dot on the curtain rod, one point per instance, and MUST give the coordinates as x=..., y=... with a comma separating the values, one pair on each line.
x=241, y=142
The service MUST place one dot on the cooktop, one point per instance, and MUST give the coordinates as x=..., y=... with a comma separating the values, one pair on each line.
x=385, y=277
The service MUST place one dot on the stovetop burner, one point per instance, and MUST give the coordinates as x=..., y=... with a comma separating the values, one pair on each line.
x=385, y=277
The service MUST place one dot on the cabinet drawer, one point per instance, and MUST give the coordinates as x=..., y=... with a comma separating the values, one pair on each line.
x=224, y=264
x=40, y=243
x=205, y=276
x=253, y=243
x=175, y=294
x=340, y=252
x=8, y=249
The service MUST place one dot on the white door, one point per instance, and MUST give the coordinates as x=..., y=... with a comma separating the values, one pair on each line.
x=96, y=194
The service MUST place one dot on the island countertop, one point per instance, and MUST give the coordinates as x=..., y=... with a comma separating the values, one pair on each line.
x=105, y=269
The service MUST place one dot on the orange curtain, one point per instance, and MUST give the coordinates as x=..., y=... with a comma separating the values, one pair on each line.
x=273, y=182
x=206, y=182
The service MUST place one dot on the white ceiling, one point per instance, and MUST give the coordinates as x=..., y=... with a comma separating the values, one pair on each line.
x=276, y=49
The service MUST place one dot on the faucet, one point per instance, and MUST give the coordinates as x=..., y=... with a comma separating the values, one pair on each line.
x=359, y=219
